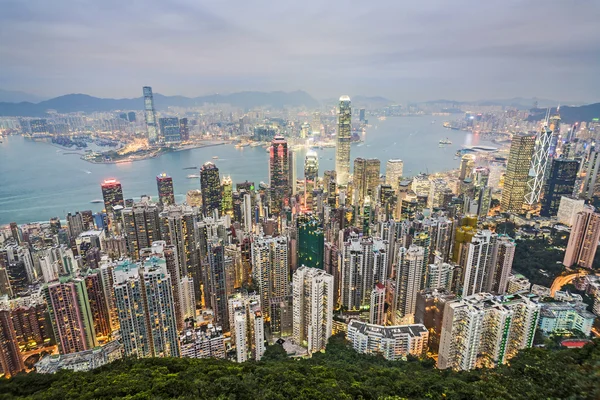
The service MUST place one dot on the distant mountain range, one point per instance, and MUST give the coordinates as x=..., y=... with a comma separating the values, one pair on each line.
x=82, y=102
x=11, y=96
x=569, y=114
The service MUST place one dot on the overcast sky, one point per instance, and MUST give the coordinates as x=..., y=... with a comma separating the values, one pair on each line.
x=405, y=50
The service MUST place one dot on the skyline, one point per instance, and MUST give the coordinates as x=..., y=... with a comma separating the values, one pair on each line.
x=406, y=52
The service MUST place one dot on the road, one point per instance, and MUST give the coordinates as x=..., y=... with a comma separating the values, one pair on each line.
x=563, y=280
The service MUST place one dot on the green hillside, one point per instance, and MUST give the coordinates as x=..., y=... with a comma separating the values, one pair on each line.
x=340, y=373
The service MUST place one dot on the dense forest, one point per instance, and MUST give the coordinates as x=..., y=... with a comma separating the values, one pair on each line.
x=339, y=373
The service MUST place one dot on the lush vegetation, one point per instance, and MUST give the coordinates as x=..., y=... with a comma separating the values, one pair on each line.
x=339, y=373
x=540, y=259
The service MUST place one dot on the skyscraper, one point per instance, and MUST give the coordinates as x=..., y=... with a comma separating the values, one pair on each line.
x=477, y=260
x=365, y=179
x=311, y=242
x=210, y=184
x=270, y=269
x=467, y=163
x=217, y=287
x=227, y=193
x=409, y=280
x=484, y=331
x=505, y=254
x=141, y=225
x=247, y=327
x=11, y=362
x=311, y=175
x=166, y=195
x=279, y=174
x=292, y=167
x=313, y=301
x=71, y=315
x=590, y=183
x=393, y=173
x=169, y=129
x=539, y=166
x=517, y=172
x=583, y=241
x=184, y=129
x=344, y=136
x=145, y=304
x=150, y=113
x=561, y=182
x=376, y=311
x=112, y=192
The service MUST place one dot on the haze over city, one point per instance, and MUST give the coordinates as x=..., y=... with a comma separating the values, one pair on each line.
x=404, y=50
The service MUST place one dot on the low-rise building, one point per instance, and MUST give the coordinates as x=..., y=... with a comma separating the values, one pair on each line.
x=205, y=341
x=560, y=316
x=81, y=361
x=392, y=342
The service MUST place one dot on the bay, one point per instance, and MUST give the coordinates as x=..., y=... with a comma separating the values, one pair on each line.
x=39, y=181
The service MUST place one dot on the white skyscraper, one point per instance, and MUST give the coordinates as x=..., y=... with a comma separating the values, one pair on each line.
x=247, y=328
x=505, y=254
x=247, y=213
x=539, y=166
x=376, y=312
x=393, y=172
x=313, y=301
x=409, y=280
x=270, y=269
x=485, y=331
x=344, y=135
x=477, y=261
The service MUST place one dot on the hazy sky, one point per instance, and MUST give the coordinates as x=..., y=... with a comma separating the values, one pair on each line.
x=405, y=50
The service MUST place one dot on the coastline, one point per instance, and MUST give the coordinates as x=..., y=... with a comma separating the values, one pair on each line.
x=153, y=155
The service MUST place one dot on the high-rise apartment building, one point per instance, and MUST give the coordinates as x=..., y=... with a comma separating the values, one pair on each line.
x=344, y=136
x=166, y=194
x=365, y=178
x=583, y=241
x=313, y=302
x=145, y=304
x=561, y=182
x=485, y=331
x=393, y=173
x=11, y=362
x=505, y=254
x=311, y=176
x=71, y=315
x=141, y=225
x=410, y=269
x=377, y=309
x=112, y=193
x=218, y=287
x=477, y=260
x=270, y=269
x=227, y=196
x=247, y=327
x=210, y=184
x=279, y=174
x=517, y=172
x=150, y=114
x=430, y=312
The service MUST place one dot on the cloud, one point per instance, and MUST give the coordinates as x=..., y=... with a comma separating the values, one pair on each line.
x=406, y=50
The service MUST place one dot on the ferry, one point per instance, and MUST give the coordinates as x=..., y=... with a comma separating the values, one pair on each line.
x=193, y=176
x=215, y=157
x=445, y=141
x=96, y=201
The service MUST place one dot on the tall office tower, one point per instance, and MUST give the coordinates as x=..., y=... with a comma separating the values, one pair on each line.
x=311, y=242
x=247, y=327
x=313, y=301
x=227, y=196
x=539, y=166
x=363, y=264
x=439, y=275
x=561, y=182
x=141, y=224
x=145, y=304
x=292, y=171
x=184, y=129
x=590, y=183
x=70, y=315
x=365, y=178
x=270, y=269
x=279, y=174
x=98, y=303
x=169, y=130
x=311, y=175
x=505, y=254
x=150, y=113
x=11, y=362
x=409, y=280
x=477, y=260
x=377, y=309
x=393, y=173
x=304, y=130
x=467, y=163
x=75, y=225
x=210, y=184
x=218, y=287
x=15, y=232
x=342, y=146
x=315, y=125
x=517, y=172
x=485, y=331
x=247, y=213
x=430, y=312
x=583, y=241
x=166, y=195
x=361, y=115
x=112, y=192
x=392, y=342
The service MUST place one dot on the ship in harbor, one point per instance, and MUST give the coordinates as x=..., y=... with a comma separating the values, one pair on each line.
x=96, y=201
x=193, y=176
x=445, y=142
